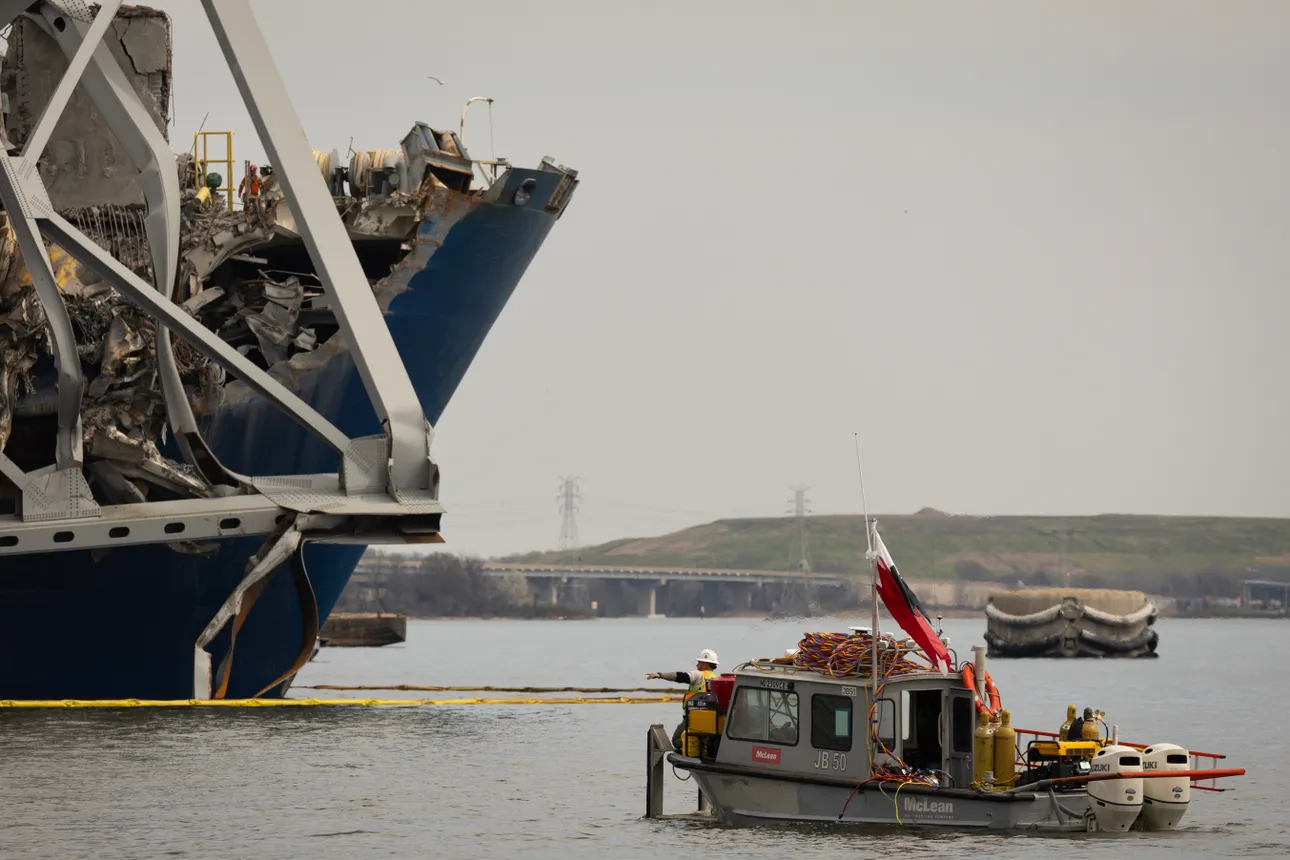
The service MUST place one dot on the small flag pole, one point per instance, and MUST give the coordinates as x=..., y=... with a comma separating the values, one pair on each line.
x=873, y=591
x=864, y=506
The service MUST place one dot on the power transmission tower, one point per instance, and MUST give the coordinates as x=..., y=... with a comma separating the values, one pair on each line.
x=568, y=501
x=797, y=597
x=800, y=509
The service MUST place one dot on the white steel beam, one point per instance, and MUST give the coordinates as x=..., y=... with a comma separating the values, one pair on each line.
x=143, y=523
x=324, y=235
x=11, y=470
x=387, y=486
x=170, y=314
x=277, y=548
x=71, y=382
x=147, y=149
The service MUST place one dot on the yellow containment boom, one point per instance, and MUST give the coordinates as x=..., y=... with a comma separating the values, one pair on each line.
x=51, y=704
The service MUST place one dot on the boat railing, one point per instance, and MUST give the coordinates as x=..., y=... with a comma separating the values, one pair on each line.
x=780, y=665
x=1202, y=761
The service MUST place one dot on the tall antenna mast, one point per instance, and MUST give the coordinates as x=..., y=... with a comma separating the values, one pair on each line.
x=864, y=505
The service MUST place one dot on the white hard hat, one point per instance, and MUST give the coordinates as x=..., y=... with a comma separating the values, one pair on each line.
x=707, y=655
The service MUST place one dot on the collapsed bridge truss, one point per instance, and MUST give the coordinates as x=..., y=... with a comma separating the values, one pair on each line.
x=386, y=489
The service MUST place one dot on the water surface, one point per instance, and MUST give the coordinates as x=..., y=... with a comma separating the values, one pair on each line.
x=568, y=781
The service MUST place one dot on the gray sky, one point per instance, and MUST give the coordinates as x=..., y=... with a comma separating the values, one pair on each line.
x=1034, y=253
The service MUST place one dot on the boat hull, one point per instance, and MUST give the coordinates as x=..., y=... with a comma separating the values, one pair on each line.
x=744, y=797
x=125, y=625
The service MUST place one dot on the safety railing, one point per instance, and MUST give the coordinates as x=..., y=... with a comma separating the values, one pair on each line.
x=1202, y=761
x=203, y=161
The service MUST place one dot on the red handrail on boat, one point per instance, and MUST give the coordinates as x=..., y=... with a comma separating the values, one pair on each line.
x=1204, y=773
x=1194, y=753
x=1210, y=773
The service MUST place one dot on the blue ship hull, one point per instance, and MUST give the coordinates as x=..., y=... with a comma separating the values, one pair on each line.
x=124, y=626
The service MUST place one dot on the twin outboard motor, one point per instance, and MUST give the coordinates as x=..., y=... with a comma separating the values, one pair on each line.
x=1165, y=799
x=1116, y=803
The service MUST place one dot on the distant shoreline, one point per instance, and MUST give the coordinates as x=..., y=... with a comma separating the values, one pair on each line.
x=851, y=618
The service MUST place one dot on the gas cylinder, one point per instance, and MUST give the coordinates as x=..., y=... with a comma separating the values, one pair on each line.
x=982, y=747
x=1005, y=751
x=1066, y=726
x=1090, y=726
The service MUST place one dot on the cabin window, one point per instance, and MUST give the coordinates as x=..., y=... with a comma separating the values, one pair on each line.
x=961, y=712
x=764, y=715
x=831, y=722
x=884, y=723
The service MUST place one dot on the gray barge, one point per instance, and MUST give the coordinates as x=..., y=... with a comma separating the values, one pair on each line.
x=1070, y=622
x=777, y=741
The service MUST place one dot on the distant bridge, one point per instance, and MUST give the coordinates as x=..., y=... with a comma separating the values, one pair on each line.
x=654, y=577
x=650, y=578
x=662, y=575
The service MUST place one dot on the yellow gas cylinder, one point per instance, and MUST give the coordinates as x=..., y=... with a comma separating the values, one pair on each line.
x=1005, y=751
x=1090, y=726
x=1066, y=726
x=982, y=747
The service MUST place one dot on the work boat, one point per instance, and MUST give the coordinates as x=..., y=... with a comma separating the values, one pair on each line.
x=810, y=737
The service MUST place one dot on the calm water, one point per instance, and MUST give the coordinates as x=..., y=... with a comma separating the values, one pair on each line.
x=568, y=781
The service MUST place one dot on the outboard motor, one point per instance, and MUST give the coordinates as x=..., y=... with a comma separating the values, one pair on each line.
x=1116, y=802
x=1165, y=799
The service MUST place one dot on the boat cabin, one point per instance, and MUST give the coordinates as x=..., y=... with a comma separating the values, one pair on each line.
x=805, y=723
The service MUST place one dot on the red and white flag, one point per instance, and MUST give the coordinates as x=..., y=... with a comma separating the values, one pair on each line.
x=905, y=608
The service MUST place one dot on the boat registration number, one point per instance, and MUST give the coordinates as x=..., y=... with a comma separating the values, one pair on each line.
x=830, y=761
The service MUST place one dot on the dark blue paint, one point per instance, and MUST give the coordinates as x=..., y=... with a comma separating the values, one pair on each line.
x=125, y=626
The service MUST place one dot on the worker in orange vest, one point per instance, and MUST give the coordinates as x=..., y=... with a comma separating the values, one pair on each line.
x=250, y=187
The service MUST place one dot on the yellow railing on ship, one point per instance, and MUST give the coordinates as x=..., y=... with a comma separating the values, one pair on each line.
x=203, y=160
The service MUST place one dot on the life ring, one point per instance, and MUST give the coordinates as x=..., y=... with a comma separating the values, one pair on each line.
x=969, y=681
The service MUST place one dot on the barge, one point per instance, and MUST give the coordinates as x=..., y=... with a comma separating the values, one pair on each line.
x=1071, y=623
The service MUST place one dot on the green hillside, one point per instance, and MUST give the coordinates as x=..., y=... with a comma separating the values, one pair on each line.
x=1164, y=555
